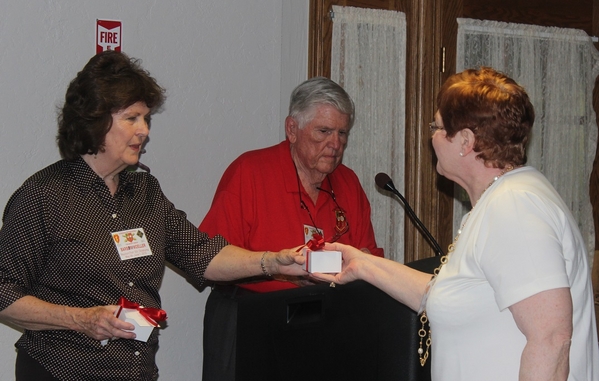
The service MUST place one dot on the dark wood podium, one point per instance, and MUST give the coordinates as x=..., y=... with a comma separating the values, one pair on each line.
x=348, y=332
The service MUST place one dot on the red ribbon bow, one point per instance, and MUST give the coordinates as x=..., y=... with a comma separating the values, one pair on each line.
x=152, y=315
x=315, y=244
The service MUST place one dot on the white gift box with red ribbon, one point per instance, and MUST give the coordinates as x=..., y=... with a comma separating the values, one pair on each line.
x=143, y=319
x=143, y=327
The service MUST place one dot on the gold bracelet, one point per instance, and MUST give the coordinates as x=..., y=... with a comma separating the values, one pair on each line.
x=264, y=271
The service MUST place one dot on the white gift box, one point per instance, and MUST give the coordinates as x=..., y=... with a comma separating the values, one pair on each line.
x=322, y=261
x=143, y=328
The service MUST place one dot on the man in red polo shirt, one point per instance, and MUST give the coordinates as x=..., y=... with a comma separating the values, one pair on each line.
x=278, y=197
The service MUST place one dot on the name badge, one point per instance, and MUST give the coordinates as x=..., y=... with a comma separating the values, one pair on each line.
x=131, y=243
x=309, y=232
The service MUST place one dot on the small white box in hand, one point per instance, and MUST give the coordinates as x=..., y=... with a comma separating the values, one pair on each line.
x=322, y=261
x=143, y=328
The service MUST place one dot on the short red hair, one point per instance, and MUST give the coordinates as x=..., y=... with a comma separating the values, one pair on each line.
x=495, y=108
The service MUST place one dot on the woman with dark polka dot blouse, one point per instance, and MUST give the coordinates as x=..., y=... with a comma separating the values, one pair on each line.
x=84, y=231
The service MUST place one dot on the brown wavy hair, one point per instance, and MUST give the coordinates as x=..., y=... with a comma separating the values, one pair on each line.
x=495, y=108
x=108, y=83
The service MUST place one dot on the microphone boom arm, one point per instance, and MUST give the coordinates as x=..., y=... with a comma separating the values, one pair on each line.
x=385, y=182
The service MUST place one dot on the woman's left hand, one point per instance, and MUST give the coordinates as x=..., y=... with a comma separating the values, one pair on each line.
x=234, y=262
x=285, y=262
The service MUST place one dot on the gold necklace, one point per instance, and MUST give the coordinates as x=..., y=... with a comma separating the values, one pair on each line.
x=423, y=349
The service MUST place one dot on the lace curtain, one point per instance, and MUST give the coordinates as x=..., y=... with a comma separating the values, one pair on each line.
x=368, y=60
x=557, y=67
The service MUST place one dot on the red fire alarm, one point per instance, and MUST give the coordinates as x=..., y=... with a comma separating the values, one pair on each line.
x=108, y=35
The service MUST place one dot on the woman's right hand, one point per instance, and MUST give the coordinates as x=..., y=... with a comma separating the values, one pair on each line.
x=351, y=258
x=100, y=323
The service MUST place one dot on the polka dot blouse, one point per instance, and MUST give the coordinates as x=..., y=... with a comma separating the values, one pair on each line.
x=56, y=244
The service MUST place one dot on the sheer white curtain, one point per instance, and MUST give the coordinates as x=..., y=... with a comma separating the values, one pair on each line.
x=368, y=61
x=557, y=67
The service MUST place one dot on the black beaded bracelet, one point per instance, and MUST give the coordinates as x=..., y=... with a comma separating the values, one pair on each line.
x=264, y=271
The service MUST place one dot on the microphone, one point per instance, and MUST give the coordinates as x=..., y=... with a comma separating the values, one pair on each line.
x=383, y=181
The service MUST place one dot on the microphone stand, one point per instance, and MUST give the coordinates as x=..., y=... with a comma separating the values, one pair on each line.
x=384, y=181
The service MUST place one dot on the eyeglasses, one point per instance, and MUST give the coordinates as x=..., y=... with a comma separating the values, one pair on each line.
x=434, y=127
